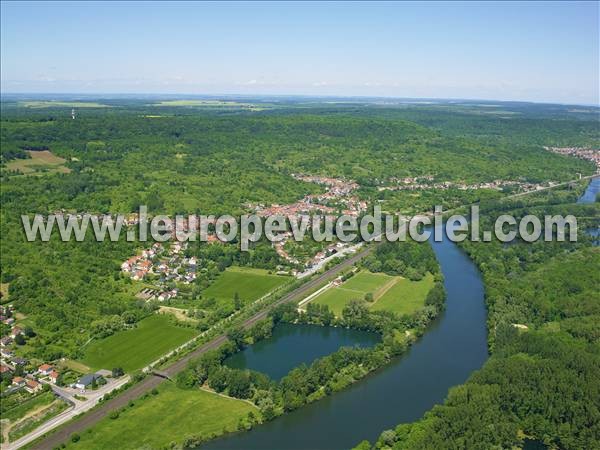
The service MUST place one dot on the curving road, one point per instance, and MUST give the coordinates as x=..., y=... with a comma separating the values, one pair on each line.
x=149, y=383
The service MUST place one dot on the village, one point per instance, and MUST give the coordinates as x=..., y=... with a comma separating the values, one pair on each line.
x=338, y=199
x=20, y=370
x=171, y=266
x=25, y=380
x=427, y=183
x=589, y=154
x=168, y=265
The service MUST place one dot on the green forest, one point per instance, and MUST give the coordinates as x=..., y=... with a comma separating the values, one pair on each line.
x=199, y=160
x=543, y=302
x=541, y=381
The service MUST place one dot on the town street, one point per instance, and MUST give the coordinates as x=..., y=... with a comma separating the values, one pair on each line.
x=79, y=406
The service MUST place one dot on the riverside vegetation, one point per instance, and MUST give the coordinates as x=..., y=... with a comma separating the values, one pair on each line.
x=198, y=158
x=541, y=380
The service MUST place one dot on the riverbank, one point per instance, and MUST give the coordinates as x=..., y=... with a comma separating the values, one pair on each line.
x=543, y=314
x=453, y=346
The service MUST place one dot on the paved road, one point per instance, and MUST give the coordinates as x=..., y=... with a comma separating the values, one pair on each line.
x=78, y=407
x=149, y=383
x=343, y=252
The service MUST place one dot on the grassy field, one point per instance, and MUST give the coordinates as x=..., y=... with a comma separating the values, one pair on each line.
x=75, y=365
x=355, y=288
x=4, y=292
x=39, y=163
x=201, y=103
x=27, y=413
x=405, y=296
x=177, y=312
x=57, y=104
x=250, y=284
x=31, y=404
x=36, y=418
x=170, y=416
x=390, y=293
x=134, y=349
x=211, y=104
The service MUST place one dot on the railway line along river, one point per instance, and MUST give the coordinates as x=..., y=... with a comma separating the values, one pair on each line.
x=454, y=346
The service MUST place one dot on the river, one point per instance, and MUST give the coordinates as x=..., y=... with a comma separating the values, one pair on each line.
x=592, y=190
x=453, y=347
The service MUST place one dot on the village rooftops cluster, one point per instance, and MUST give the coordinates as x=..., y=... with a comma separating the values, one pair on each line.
x=427, y=182
x=32, y=380
x=589, y=154
x=168, y=265
x=337, y=199
x=128, y=220
x=14, y=367
x=7, y=342
x=330, y=250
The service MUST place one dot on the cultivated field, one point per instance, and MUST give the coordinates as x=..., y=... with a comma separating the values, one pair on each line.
x=136, y=348
x=172, y=415
x=57, y=104
x=22, y=418
x=206, y=103
x=250, y=284
x=389, y=293
x=40, y=162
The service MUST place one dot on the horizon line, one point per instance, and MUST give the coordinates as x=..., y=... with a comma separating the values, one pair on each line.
x=159, y=94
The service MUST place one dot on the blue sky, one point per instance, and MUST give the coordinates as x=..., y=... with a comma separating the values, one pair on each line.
x=512, y=51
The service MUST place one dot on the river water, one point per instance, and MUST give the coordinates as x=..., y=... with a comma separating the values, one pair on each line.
x=589, y=196
x=453, y=347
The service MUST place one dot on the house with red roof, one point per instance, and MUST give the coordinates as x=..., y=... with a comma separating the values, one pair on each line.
x=33, y=386
x=53, y=376
x=45, y=369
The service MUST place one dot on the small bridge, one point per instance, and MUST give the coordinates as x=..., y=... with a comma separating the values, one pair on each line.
x=161, y=374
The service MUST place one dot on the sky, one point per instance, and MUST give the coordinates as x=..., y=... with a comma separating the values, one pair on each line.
x=543, y=52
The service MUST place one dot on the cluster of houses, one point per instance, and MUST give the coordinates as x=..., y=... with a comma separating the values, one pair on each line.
x=337, y=199
x=330, y=250
x=589, y=154
x=157, y=294
x=32, y=381
x=140, y=265
x=128, y=220
x=11, y=364
x=7, y=355
x=168, y=265
x=426, y=182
